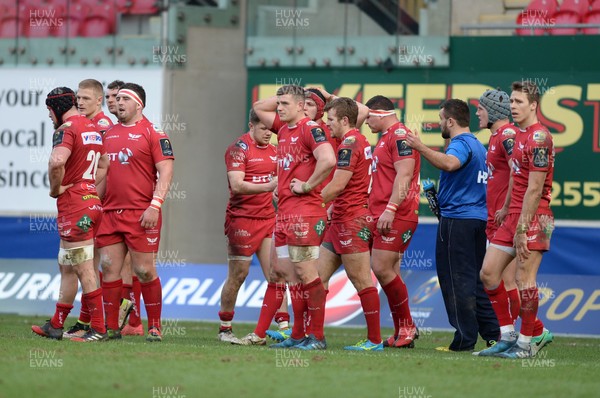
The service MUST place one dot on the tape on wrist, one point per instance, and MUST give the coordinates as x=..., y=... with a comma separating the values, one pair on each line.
x=306, y=188
x=391, y=206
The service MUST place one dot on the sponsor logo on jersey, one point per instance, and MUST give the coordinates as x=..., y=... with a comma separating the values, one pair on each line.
x=66, y=233
x=57, y=138
x=91, y=137
x=84, y=223
x=88, y=197
x=124, y=155
x=134, y=137
x=152, y=241
x=103, y=123
x=364, y=234
x=301, y=234
x=95, y=207
x=406, y=236
x=508, y=144
x=286, y=161
x=273, y=158
x=388, y=239
x=540, y=157
x=346, y=243
x=242, y=233
x=319, y=227
x=256, y=160
x=294, y=139
x=509, y=133
x=318, y=134
x=403, y=148
x=400, y=132
x=312, y=123
x=344, y=157
x=368, y=153
x=242, y=145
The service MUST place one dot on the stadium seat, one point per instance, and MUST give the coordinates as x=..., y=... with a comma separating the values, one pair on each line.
x=595, y=5
x=74, y=17
x=41, y=21
x=528, y=20
x=565, y=17
x=12, y=21
x=579, y=7
x=100, y=21
x=144, y=7
x=592, y=17
x=544, y=7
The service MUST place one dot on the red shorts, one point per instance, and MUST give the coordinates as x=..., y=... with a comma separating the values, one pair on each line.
x=351, y=236
x=297, y=230
x=490, y=230
x=538, y=236
x=80, y=225
x=245, y=235
x=397, y=239
x=124, y=226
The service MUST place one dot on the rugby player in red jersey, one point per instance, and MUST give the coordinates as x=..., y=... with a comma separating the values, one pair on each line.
x=394, y=205
x=305, y=159
x=132, y=206
x=78, y=161
x=348, y=237
x=249, y=219
x=526, y=230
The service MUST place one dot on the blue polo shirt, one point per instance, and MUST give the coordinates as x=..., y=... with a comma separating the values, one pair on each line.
x=462, y=192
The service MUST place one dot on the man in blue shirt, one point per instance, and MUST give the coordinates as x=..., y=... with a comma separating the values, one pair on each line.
x=461, y=238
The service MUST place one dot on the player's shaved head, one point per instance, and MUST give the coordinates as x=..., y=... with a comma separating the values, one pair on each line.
x=380, y=102
x=94, y=85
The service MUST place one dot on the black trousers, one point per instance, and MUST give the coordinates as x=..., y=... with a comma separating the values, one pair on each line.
x=459, y=252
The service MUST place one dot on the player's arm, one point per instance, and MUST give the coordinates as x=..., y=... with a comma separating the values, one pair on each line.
x=501, y=214
x=404, y=174
x=103, y=165
x=337, y=185
x=531, y=200
x=56, y=170
x=149, y=218
x=266, y=110
x=325, y=163
x=241, y=187
x=439, y=160
x=363, y=111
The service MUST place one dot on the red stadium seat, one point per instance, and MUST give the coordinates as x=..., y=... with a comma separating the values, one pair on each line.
x=73, y=19
x=565, y=17
x=12, y=20
x=592, y=17
x=544, y=7
x=529, y=20
x=595, y=5
x=41, y=21
x=100, y=21
x=144, y=7
x=579, y=7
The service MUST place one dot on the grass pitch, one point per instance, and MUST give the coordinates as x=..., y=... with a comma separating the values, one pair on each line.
x=190, y=362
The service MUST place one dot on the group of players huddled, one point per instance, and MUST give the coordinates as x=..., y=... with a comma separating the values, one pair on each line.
x=109, y=200
x=327, y=198
x=322, y=194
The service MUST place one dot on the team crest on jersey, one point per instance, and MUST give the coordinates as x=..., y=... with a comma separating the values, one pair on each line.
x=103, y=123
x=539, y=136
x=400, y=132
x=165, y=145
x=242, y=144
x=57, y=138
x=273, y=158
x=318, y=134
x=344, y=156
x=134, y=137
x=540, y=157
x=508, y=144
x=349, y=141
x=403, y=148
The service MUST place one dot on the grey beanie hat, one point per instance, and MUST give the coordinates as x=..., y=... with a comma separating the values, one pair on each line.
x=497, y=105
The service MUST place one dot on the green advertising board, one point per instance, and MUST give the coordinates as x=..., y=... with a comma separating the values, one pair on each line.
x=566, y=69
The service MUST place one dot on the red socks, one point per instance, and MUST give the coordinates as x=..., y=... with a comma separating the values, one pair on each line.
x=111, y=293
x=397, y=296
x=315, y=300
x=529, y=308
x=299, y=307
x=84, y=314
x=514, y=303
x=60, y=315
x=152, y=292
x=369, y=299
x=271, y=303
x=93, y=302
x=135, y=316
x=226, y=317
x=501, y=304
